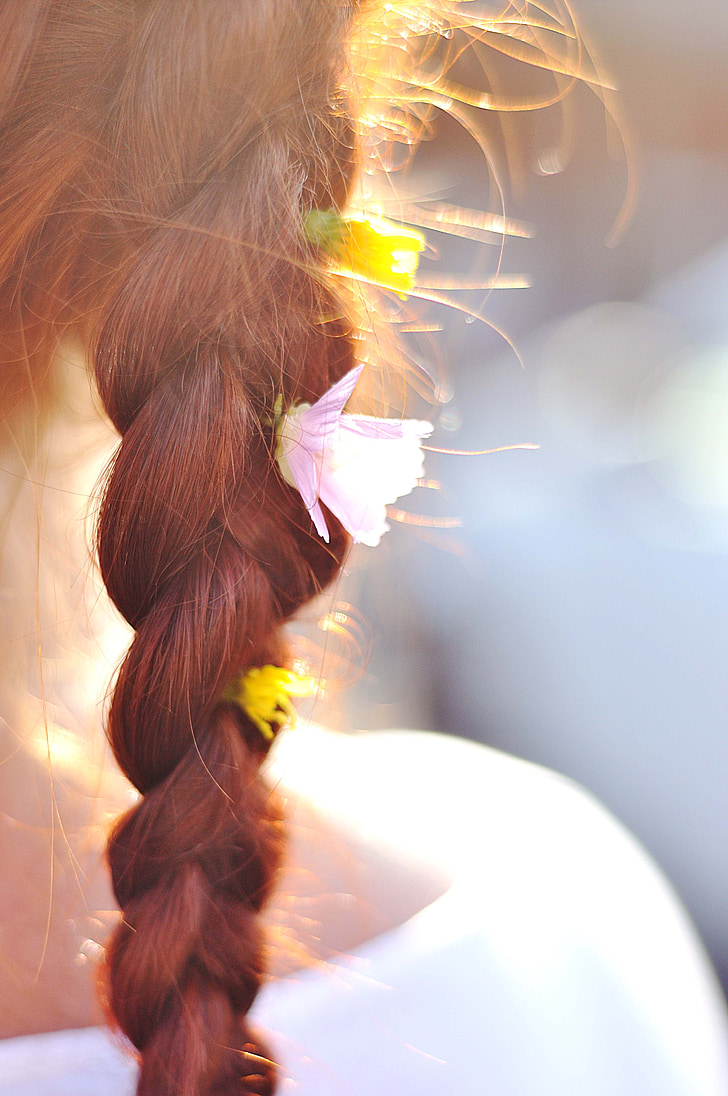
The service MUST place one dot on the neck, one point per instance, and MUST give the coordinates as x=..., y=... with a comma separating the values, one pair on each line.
x=60, y=641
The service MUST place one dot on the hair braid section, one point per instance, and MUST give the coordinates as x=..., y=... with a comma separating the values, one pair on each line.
x=158, y=159
x=185, y=963
x=215, y=312
x=207, y=557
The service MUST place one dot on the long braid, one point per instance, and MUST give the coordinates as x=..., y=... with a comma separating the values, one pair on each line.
x=206, y=552
x=159, y=159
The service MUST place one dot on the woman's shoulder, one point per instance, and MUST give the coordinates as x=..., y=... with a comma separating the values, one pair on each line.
x=458, y=797
x=551, y=909
x=552, y=956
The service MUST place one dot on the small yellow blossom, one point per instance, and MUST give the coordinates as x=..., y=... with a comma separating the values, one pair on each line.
x=371, y=248
x=264, y=693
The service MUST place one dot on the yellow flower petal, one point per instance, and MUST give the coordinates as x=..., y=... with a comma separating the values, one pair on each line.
x=264, y=693
x=372, y=248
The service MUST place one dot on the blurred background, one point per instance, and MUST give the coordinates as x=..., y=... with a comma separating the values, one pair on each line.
x=579, y=617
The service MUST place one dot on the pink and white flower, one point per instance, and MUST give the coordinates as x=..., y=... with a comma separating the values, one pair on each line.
x=354, y=464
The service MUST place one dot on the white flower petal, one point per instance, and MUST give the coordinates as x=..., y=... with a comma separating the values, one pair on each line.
x=361, y=474
x=354, y=464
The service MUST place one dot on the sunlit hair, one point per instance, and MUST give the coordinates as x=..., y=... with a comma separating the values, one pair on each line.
x=158, y=160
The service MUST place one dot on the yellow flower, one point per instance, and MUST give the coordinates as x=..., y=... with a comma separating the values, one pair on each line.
x=264, y=693
x=371, y=248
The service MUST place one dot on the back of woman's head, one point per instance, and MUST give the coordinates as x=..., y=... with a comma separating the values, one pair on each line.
x=158, y=158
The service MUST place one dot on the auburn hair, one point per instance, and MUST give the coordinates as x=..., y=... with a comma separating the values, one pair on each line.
x=156, y=160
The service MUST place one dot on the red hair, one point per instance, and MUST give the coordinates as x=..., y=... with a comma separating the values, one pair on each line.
x=158, y=157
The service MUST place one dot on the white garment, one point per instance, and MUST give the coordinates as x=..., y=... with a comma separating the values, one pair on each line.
x=558, y=963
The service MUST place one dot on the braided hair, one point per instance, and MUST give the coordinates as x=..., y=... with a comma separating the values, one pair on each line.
x=158, y=157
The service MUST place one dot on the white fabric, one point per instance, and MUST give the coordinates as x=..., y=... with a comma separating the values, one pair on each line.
x=559, y=963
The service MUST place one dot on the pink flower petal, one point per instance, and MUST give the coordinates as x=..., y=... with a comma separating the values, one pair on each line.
x=317, y=517
x=319, y=421
x=354, y=464
x=358, y=516
x=305, y=469
x=370, y=427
